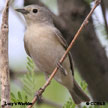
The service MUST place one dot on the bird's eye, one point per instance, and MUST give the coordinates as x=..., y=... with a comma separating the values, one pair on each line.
x=35, y=10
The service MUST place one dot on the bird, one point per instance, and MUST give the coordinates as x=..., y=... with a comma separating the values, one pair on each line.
x=45, y=44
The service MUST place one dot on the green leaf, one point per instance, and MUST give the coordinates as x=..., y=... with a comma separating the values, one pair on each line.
x=26, y=98
x=29, y=69
x=84, y=107
x=13, y=100
x=19, y=95
x=12, y=95
x=69, y=104
x=29, y=59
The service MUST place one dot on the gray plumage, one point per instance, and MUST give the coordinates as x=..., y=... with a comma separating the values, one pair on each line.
x=45, y=45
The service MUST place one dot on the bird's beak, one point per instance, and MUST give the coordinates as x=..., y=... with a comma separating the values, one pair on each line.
x=23, y=11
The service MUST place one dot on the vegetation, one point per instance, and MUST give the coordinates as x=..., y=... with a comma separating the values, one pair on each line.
x=32, y=82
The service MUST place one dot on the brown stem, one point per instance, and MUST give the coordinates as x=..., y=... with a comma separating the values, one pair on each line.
x=4, y=67
x=41, y=90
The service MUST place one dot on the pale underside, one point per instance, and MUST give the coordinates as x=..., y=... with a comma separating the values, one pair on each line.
x=46, y=50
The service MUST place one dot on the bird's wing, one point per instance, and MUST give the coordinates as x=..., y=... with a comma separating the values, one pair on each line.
x=26, y=49
x=65, y=45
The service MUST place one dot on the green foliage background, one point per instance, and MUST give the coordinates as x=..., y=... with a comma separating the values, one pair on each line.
x=55, y=92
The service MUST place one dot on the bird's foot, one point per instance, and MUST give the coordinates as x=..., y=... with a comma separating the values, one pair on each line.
x=39, y=98
x=62, y=69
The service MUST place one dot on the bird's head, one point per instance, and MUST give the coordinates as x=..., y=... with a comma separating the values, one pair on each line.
x=36, y=14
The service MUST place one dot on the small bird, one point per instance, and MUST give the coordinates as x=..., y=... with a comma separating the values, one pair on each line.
x=45, y=44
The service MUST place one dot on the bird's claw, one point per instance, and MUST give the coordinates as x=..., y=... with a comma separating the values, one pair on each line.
x=39, y=98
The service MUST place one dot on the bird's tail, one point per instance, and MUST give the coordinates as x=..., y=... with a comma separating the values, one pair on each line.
x=78, y=95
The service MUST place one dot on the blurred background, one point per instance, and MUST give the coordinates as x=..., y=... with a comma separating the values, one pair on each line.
x=55, y=93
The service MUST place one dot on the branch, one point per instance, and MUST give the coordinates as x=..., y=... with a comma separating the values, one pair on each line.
x=41, y=90
x=4, y=67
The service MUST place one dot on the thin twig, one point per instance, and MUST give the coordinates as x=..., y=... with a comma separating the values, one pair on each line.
x=4, y=67
x=41, y=90
x=104, y=15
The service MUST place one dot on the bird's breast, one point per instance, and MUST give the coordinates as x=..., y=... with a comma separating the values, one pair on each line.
x=44, y=48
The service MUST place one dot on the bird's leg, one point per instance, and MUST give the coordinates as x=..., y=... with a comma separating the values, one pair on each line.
x=62, y=69
x=39, y=98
